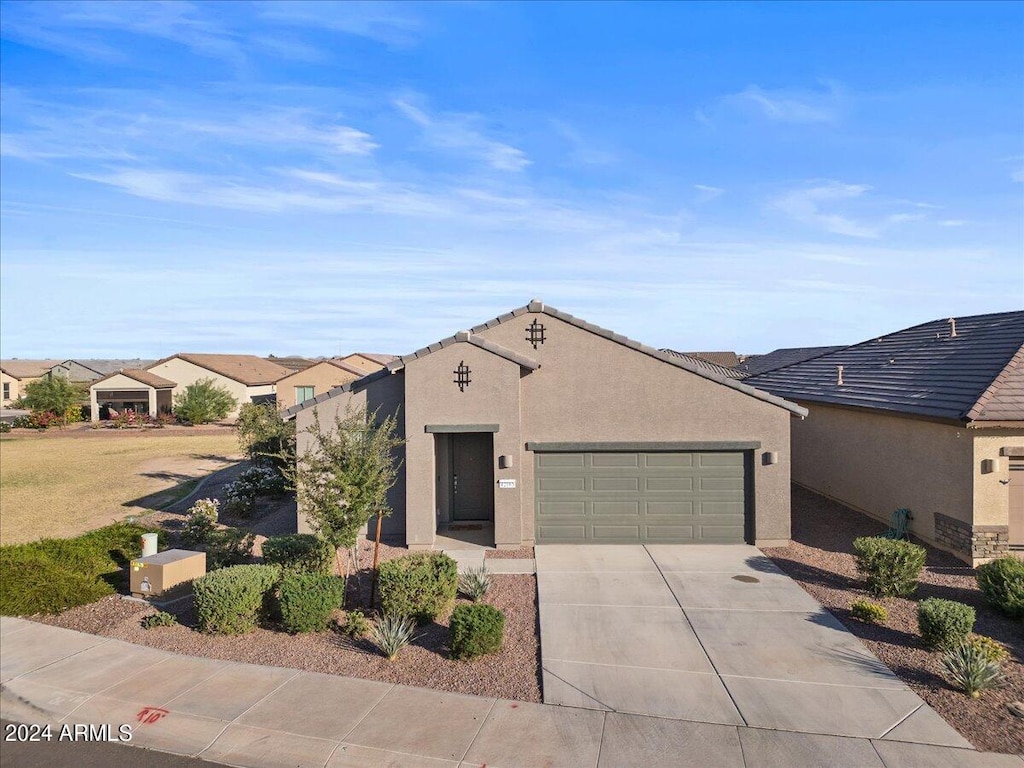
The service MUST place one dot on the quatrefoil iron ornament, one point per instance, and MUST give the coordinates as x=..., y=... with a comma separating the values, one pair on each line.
x=462, y=376
x=535, y=333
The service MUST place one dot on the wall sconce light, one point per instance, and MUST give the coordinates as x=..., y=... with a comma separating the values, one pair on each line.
x=988, y=466
x=504, y=462
x=770, y=457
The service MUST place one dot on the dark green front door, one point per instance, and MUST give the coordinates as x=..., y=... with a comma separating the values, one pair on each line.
x=620, y=497
x=472, y=480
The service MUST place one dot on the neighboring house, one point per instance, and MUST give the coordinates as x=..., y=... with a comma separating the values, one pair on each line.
x=15, y=374
x=248, y=378
x=544, y=428
x=724, y=359
x=930, y=418
x=87, y=370
x=315, y=380
x=707, y=365
x=754, y=365
x=292, y=363
x=367, y=362
x=140, y=391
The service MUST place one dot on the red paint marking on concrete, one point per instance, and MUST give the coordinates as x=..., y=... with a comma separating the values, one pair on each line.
x=150, y=715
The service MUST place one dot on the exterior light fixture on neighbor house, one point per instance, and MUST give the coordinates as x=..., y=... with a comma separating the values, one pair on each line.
x=988, y=466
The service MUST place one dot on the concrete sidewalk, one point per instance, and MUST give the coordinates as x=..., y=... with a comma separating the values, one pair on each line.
x=248, y=715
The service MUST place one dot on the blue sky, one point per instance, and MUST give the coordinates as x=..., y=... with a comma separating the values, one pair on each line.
x=314, y=178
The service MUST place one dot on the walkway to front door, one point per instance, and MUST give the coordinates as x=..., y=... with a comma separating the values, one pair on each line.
x=715, y=634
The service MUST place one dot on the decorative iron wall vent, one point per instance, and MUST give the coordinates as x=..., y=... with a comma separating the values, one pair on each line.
x=462, y=376
x=535, y=333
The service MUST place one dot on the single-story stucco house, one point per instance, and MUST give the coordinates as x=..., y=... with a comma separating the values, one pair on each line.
x=316, y=379
x=540, y=427
x=15, y=374
x=929, y=418
x=141, y=391
x=367, y=362
x=248, y=378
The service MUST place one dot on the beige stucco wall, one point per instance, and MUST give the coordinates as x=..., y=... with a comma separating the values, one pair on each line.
x=15, y=387
x=364, y=364
x=877, y=462
x=322, y=377
x=183, y=373
x=991, y=489
x=122, y=385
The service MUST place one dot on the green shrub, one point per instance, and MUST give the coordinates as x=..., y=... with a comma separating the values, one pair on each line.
x=1002, y=582
x=5, y=427
x=475, y=583
x=993, y=650
x=391, y=634
x=200, y=522
x=944, y=624
x=868, y=612
x=422, y=585
x=892, y=567
x=159, y=619
x=475, y=630
x=228, y=546
x=356, y=624
x=52, y=575
x=302, y=552
x=203, y=401
x=971, y=671
x=307, y=600
x=233, y=600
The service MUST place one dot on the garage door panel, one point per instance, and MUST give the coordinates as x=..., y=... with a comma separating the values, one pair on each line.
x=635, y=497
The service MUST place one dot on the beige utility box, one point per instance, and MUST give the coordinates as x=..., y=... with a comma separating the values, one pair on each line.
x=156, y=575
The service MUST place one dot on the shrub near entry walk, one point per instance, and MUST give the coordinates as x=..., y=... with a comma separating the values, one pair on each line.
x=300, y=552
x=232, y=600
x=892, y=567
x=944, y=624
x=307, y=600
x=422, y=585
x=1002, y=582
x=476, y=630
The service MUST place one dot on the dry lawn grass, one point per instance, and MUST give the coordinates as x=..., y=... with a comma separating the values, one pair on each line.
x=63, y=485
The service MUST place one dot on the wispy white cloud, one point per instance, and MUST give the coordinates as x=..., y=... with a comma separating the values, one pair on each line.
x=394, y=24
x=462, y=133
x=706, y=193
x=808, y=206
x=824, y=105
x=581, y=150
x=953, y=223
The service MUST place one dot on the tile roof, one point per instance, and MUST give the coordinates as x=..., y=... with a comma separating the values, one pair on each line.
x=27, y=369
x=706, y=364
x=246, y=369
x=780, y=358
x=539, y=306
x=724, y=359
x=975, y=375
x=467, y=336
x=104, y=366
x=292, y=363
x=376, y=357
x=143, y=377
x=337, y=362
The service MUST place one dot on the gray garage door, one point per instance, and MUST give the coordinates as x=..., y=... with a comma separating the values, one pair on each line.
x=635, y=497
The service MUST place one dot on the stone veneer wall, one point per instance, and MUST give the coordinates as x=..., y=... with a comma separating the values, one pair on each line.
x=979, y=541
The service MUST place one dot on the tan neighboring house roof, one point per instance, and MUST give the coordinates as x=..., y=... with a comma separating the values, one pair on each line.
x=721, y=370
x=375, y=356
x=337, y=362
x=292, y=363
x=27, y=369
x=143, y=377
x=725, y=359
x=245, y=369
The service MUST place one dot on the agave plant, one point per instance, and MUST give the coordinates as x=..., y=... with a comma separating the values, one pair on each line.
x=474, y=583
x=971, y=670
x=391, y=634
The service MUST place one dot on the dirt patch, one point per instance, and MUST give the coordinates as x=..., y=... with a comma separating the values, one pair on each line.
x=511, y=673
x=821, y=560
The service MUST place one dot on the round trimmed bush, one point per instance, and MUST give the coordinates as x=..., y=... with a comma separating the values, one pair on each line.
x=892, y=566
x=232, y=600
x=1002, y=582
x=300, y=552
x=307, y=600
x=422, y=585
x=476, y=630
x=944, y=624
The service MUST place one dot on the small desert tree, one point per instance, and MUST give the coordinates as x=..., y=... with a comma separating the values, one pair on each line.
x=55, y=395
x=344, y=475
x=265, y=435
x=203, y=401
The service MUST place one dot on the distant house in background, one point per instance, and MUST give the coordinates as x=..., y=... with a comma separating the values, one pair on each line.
x=86, y=370
x=367, y=362
x=930, y=418
x=707, y=365
x=140, y=391
x=316, y=380
x=292, y=363
x=754, y=365
x=15, y=374
x=724, y=359
x=249, y=378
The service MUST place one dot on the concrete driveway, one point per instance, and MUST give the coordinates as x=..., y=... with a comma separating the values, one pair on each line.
x=713, y=634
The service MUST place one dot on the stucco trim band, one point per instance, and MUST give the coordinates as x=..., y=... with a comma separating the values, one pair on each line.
x=728, y=445
x=1012, y=450
x=457, y=428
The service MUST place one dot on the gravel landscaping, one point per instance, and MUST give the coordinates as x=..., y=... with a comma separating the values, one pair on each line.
x=821, y=560
x=511, y=673
x=522, y=553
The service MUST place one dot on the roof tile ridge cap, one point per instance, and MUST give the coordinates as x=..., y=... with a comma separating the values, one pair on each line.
x=976, y=410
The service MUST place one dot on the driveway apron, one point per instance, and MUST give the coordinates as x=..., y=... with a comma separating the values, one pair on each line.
x=712, y=634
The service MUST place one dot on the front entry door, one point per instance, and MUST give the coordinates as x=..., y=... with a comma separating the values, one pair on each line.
x=1017, y=504
x=472, y=481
